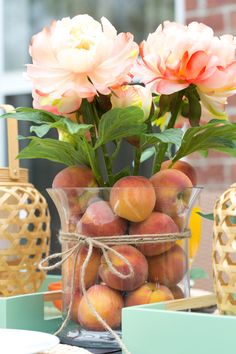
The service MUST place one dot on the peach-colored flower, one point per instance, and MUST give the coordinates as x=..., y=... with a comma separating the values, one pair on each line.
x=78, y=58
x=175, y=56
x=132, y=95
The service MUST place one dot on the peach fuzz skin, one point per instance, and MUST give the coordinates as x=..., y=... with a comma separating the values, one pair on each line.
x=92, y=267
x=154, y=224
x=73, y=177
x=184, y=167
x=177, y=292
x=133, y=198
x=107, y=302
x=100, y=220
x=147, y=294
x=173, y=191
x=180, y=221
x=137, y=261
x=75, y=307
x=168, y=268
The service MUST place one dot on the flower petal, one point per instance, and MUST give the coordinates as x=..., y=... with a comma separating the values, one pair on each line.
x=167, y=87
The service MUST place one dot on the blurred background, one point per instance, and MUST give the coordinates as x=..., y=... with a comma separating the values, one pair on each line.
x=19, y=20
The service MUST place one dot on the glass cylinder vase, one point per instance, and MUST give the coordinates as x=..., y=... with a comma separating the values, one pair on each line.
x=122, y=247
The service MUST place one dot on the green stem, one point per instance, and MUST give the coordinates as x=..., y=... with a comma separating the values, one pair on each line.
x=160, y=156
x=106, y=156
x=116, y=152
x=89, y=114
x=94, y=167
x=137, y=162
x=89, y=111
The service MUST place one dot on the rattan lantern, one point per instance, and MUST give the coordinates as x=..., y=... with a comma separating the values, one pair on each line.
x=224, y=251
x=24, y=225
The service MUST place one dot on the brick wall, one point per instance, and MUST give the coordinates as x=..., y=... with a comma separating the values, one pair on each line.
x=217, y=170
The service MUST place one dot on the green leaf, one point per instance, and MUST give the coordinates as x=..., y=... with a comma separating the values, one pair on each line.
x=53, y=150
x=47, y=121
x=209, y=216
x=198, y=273
x=120, y=123
x=149, y=152
x=85, y=151
x=40, y=130
x=195, y=110
x=37, y=116
x=73, y=127
x=164, y=103
x=169, y=136
x=217, y=136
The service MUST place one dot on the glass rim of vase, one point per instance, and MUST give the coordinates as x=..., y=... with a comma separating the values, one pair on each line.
x=109, y=188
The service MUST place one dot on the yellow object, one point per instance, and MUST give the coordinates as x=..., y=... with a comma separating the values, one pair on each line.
x=195, y=225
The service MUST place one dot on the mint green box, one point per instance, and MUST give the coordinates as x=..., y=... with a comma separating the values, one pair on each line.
x=30, y=311
x=153, y=329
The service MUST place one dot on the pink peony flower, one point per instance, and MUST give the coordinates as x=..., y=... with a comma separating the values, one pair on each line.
x=132, y=95
x=176, y=56
x=78, y=58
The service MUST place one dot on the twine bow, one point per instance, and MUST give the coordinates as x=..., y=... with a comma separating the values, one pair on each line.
x=105, y=244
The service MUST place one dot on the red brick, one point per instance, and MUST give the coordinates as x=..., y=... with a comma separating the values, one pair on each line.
x=211, y=155
x=216, y=22
x=216, y=154
x=232, y=101
x=232, y=118
x=216, y=3
x=213, y=174
x=233, y=21
x=191, y=4
x=233, y=173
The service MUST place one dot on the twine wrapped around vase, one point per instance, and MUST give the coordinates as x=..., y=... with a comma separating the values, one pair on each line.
x=224, y=251
x=105, y=244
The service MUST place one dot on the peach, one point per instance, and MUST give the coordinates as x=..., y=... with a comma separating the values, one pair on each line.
x=75, y=307
x=180, y=221
x=147, y=294
x=177, y=292
x=173, y=191
x=133, y=198
x=92, y=267
x=137, y=261
x=108, y=304
x=79, y=199
x=154, y=224
x=100, y=220
x=168, y=268
x=74, y=176
x=184, y=167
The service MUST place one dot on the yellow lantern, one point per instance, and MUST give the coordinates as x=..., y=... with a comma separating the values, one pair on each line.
x=224, y=251
x=24, y=224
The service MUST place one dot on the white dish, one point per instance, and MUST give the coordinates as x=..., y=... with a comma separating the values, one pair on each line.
x=17, y=341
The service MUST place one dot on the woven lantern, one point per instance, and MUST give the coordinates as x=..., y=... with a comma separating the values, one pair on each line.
x=24, y=225
x=224, y=251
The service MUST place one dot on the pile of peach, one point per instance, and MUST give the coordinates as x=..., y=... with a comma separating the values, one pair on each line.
x=135, y=205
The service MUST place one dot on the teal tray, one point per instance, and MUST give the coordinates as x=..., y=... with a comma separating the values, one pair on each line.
x=161, y=329
x=31, y=311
